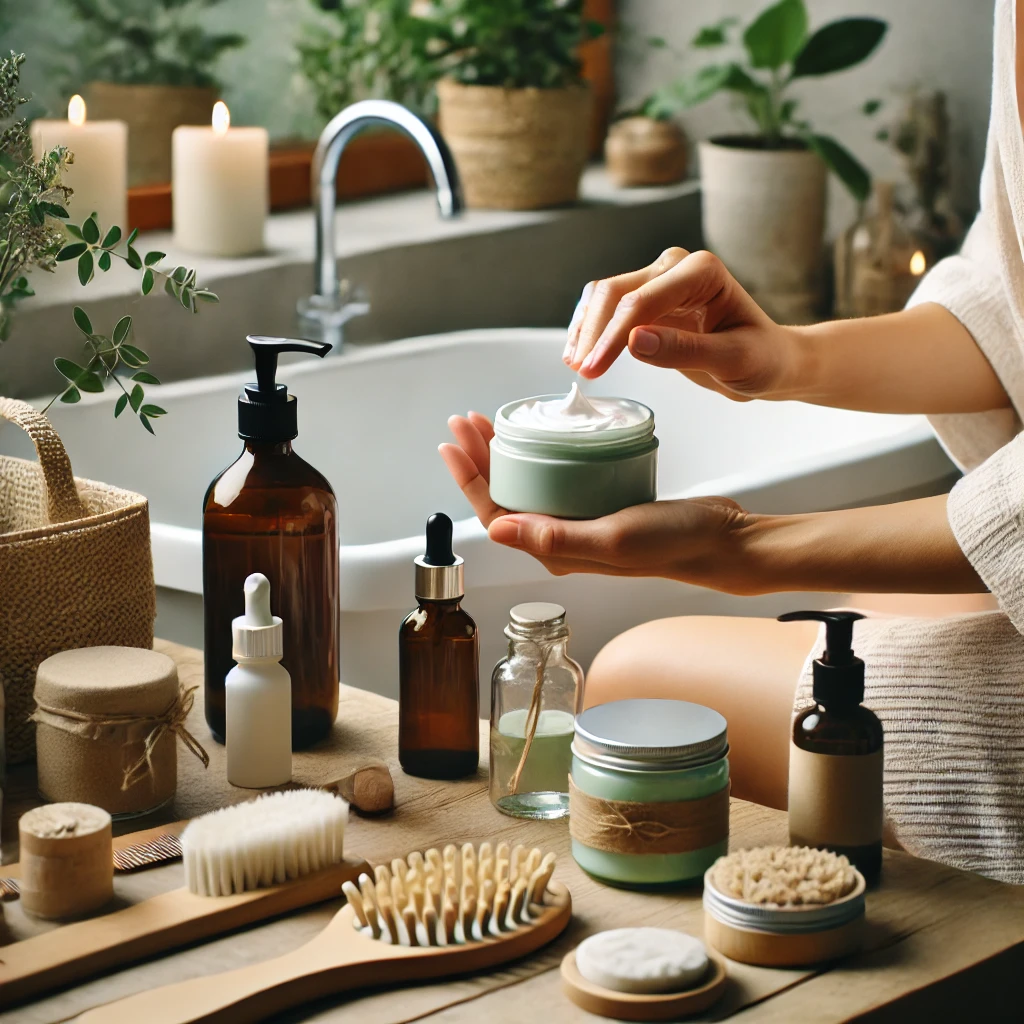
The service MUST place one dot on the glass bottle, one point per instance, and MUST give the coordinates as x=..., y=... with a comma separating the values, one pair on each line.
x=536, y=692
x=271, y=512
x=439, y=667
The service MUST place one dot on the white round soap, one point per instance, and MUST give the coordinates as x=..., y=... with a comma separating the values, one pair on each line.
x=644, y=961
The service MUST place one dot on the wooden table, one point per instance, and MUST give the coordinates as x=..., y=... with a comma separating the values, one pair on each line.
x=943, y=944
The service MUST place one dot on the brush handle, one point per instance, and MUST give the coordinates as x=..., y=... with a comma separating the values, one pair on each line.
x=172, y=919
x=337, y=960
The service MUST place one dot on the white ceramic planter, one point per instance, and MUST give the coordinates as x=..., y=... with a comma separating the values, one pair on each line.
x=764, y=216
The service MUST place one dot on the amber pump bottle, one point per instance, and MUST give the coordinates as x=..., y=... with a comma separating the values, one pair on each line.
x=439, y=667
x=836, y=759
x=273, y=513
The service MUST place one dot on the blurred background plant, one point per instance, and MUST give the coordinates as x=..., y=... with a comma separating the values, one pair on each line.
x=398, y=50
x=778, y=51
x=145, y=42
x=35, y=235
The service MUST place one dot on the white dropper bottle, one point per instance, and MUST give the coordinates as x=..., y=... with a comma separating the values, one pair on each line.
x=258, y=695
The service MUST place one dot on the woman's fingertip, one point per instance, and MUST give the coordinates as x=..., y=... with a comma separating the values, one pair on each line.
x=504, y=531
x=644, y=343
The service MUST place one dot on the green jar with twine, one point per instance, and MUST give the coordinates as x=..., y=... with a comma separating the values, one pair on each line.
x=649, y=792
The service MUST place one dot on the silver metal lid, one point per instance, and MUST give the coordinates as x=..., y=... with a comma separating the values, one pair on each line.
x=440, y=582
x=650, y=735
x=537, y=613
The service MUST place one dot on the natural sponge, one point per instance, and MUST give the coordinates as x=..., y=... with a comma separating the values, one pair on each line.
x=784, y=876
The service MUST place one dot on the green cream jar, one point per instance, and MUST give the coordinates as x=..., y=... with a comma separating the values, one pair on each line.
x=574, y=457
x=649, y=792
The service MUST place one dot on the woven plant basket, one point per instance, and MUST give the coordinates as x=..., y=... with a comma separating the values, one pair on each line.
x=76, y=568
x=516, y=149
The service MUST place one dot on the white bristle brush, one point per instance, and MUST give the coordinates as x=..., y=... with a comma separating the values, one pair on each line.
x=242, y=864
x=267, y=841
x=428, y=916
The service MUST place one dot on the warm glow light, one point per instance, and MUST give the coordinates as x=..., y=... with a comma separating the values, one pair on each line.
x=918, y=264
x=76, y=110
x=221, y=118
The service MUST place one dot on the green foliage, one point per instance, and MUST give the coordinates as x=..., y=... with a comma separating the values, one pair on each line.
x=373, y=49
x=146, y=42
x=35, y=235
x=397, y=50
x=778, y=51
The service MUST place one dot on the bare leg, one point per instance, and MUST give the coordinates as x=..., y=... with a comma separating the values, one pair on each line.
x=747, y=669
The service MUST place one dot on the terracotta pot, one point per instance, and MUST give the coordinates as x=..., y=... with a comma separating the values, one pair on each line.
x=764, y=216
x=516, y=149
x=643, y=151
x=152, y=112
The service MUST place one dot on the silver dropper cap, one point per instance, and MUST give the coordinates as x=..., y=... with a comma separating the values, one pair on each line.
x=439, y=571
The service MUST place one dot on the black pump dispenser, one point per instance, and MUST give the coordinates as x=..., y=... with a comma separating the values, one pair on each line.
x=266, y=412
x=838, y=673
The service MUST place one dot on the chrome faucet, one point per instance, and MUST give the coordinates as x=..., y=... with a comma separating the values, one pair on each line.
x=324, y=313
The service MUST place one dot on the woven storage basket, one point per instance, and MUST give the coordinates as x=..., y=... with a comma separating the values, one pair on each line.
x=76, y=568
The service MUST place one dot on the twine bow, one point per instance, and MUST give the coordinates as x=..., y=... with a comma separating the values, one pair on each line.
x=95, y=727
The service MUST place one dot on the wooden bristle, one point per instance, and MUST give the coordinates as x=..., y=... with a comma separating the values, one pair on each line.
x=458, y=895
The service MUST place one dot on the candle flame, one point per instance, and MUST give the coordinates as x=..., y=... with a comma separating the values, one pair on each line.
x=918, y=263
x=221, y=118
x=76, y=110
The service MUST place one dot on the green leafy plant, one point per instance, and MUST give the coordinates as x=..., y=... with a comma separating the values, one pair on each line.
x=34, y=235
x=148, y=42
x=779, y=50
x=376, y=48
x=397, y=50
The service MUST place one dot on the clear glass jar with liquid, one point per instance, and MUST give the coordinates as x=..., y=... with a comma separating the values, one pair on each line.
x=536, y=692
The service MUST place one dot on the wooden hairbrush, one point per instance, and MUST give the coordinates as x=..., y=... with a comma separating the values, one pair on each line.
x=429, y=916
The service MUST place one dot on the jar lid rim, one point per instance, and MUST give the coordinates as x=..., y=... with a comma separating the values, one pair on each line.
x=651, y=733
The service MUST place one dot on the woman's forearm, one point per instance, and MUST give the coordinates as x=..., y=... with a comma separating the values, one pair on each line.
x=906, y=547
x=921, y=360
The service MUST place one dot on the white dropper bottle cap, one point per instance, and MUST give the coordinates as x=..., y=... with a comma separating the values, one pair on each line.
x=257, y=633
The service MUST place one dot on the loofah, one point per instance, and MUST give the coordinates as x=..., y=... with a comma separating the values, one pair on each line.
x=784, y=876
x=451, y=896
x=269, y=840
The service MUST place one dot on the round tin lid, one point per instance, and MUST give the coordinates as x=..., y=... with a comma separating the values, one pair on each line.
x=650, y=735
x=537, y=613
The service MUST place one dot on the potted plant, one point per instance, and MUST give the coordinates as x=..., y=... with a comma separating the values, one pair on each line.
x=764, y=192
x=148, y=63
x=512, y=103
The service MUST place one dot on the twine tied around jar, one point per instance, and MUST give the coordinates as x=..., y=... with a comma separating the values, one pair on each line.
x=147, y=729
x=626, y=826
x=532, y=714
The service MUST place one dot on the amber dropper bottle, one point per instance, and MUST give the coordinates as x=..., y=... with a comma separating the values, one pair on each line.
x=836, y=758
x=439, y=667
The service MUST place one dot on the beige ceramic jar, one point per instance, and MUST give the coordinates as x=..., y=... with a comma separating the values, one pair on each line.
x=97, y=708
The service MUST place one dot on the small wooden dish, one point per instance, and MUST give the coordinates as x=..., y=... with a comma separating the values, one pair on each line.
x=630, y=1006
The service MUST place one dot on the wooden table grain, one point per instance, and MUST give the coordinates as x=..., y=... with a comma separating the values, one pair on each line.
x=943, y=945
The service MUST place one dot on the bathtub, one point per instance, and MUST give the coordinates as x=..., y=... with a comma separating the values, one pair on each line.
x=371, y=419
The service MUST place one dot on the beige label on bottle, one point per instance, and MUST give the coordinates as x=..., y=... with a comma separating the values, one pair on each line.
x=834, y=799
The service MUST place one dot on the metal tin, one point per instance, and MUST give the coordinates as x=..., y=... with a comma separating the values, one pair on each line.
x=650, y=735
x=439, y=582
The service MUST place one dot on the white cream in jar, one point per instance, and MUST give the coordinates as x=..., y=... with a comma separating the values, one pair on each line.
x=573, y=456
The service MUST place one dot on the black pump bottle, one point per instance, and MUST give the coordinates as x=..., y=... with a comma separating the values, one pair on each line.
x=273, y=513
x=439, y=667
x=836, y=757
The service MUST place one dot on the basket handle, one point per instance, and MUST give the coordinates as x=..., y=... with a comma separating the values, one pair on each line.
x=62, y=500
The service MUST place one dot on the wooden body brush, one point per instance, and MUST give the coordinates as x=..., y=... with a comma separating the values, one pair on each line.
x=242, y=864
x=428, y=916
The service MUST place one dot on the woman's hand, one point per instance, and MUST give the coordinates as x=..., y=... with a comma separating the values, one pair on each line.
x=688, y=313
x=688, y=541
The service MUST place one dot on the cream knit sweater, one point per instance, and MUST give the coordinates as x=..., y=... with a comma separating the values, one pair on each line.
x=950, y=692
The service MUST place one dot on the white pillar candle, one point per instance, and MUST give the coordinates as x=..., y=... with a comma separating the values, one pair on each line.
x=99, y=171
x=219, y=184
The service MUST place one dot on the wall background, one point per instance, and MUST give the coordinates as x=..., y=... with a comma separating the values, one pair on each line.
x=934, y=44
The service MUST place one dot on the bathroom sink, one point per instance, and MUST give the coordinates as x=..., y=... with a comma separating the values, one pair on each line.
x=371, y=420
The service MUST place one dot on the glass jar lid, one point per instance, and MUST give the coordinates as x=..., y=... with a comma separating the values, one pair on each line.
x=650, y=735
x=537, y=620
